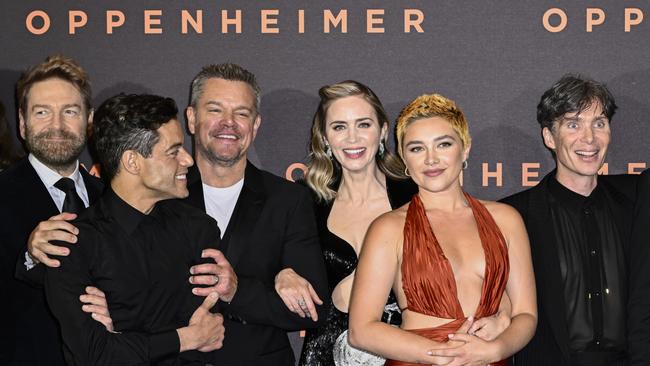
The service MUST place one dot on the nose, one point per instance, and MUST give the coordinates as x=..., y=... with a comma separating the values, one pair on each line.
x=185, y=158
x=430, y=157
x=352, y=134
x=57, y=119
x=228, y=118
x=588, y=134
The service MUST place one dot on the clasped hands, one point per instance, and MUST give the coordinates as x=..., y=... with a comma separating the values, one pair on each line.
x=471, y=345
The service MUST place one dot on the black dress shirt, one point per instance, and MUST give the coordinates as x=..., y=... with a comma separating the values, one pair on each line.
x=593, y=270
x=142, y=263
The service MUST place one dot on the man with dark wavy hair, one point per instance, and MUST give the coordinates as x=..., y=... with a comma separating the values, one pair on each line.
x=579, y=226
x=137, y=244
x=54, y=112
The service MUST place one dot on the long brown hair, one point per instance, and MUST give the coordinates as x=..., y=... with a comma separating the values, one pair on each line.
x=324, y=173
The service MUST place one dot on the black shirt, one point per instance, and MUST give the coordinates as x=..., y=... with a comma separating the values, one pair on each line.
x=592, y=266
x=142, y=263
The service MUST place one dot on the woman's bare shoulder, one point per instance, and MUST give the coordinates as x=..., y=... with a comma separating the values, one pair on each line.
x=389, y=224
x=505, y=216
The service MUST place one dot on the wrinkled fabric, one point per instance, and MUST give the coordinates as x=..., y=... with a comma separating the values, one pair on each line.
x=428, y=279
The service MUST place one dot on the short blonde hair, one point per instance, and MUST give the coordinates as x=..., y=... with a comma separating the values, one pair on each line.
x=432, y=105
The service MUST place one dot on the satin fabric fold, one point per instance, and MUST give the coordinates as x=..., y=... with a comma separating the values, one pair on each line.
x=428, y=279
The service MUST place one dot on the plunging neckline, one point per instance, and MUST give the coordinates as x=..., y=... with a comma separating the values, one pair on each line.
x=447, y=264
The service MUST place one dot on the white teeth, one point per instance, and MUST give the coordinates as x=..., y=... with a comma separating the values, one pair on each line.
x=231, y=137
x=181, y=176
x=354, y=151
x=586, y=153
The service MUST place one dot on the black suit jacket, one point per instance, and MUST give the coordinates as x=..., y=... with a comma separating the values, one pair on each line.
x=272, y=228
x=639, y=300
x=29, y=333
x=550, y=344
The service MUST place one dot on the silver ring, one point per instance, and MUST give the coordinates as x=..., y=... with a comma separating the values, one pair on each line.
x=302, y=303
x=216, y=279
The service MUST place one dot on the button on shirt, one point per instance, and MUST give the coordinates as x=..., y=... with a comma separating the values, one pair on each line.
x=592, y=266
x=142, y=263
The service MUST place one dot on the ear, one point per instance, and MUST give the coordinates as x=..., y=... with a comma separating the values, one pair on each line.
x=549, y=139
x=130, y=162
x=256, y=125
x=90, y=117
x=191, y=119
x=466, y=151
x=384, y=132
x=89, y=125
x=21, y=124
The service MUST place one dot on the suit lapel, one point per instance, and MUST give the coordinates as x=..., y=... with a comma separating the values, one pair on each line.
x=195, y=188
x=247, y=211
x=547, y=264
x=28, y=182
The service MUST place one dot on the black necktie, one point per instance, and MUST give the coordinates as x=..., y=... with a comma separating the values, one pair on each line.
x=72, y=202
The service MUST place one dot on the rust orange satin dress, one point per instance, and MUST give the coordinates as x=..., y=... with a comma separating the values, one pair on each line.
x=428, y=279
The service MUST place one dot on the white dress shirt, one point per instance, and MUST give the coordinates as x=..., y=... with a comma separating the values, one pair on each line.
x=49, y=177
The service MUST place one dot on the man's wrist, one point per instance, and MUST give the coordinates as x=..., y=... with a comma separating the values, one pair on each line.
x=186, y=339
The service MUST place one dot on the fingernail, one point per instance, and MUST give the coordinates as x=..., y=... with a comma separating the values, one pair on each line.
x=471, y=318
x=203, y=254
x=430, y=353
x=451, y=336
x=191, y=280
x=191, y=270
x=93, y=315
x=195, y=291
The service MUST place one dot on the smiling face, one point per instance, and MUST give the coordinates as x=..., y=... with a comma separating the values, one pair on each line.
x=224, y=121
x=164, y=173
x=579, y=141
x=353, y=133
x=433, y=153
x=54, y=122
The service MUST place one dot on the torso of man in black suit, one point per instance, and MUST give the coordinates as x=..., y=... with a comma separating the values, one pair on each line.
x=638, y=324
x=550, y=344
x=272, y=228
x=29, y=335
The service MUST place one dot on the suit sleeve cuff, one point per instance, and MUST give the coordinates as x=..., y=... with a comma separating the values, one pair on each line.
x=164, y=344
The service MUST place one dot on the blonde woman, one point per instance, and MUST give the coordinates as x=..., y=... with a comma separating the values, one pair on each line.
x=446, y=255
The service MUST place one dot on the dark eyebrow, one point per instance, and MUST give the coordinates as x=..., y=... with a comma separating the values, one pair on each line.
x=362, y=119
x=174, y=146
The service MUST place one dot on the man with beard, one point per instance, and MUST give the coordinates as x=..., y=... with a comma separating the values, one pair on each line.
x=54, y=112
x=268, y=229
x=267, y=223
x=579, y=225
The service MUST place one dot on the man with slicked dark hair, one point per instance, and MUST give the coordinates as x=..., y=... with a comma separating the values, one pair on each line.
x=579, y=225
x=137, y=244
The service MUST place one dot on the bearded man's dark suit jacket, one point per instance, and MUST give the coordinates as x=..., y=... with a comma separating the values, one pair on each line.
x=29, y=333
x=639, y=304
x=272, y=227
x=550, y=344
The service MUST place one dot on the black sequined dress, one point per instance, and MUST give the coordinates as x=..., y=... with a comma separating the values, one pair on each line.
x=341, y=261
